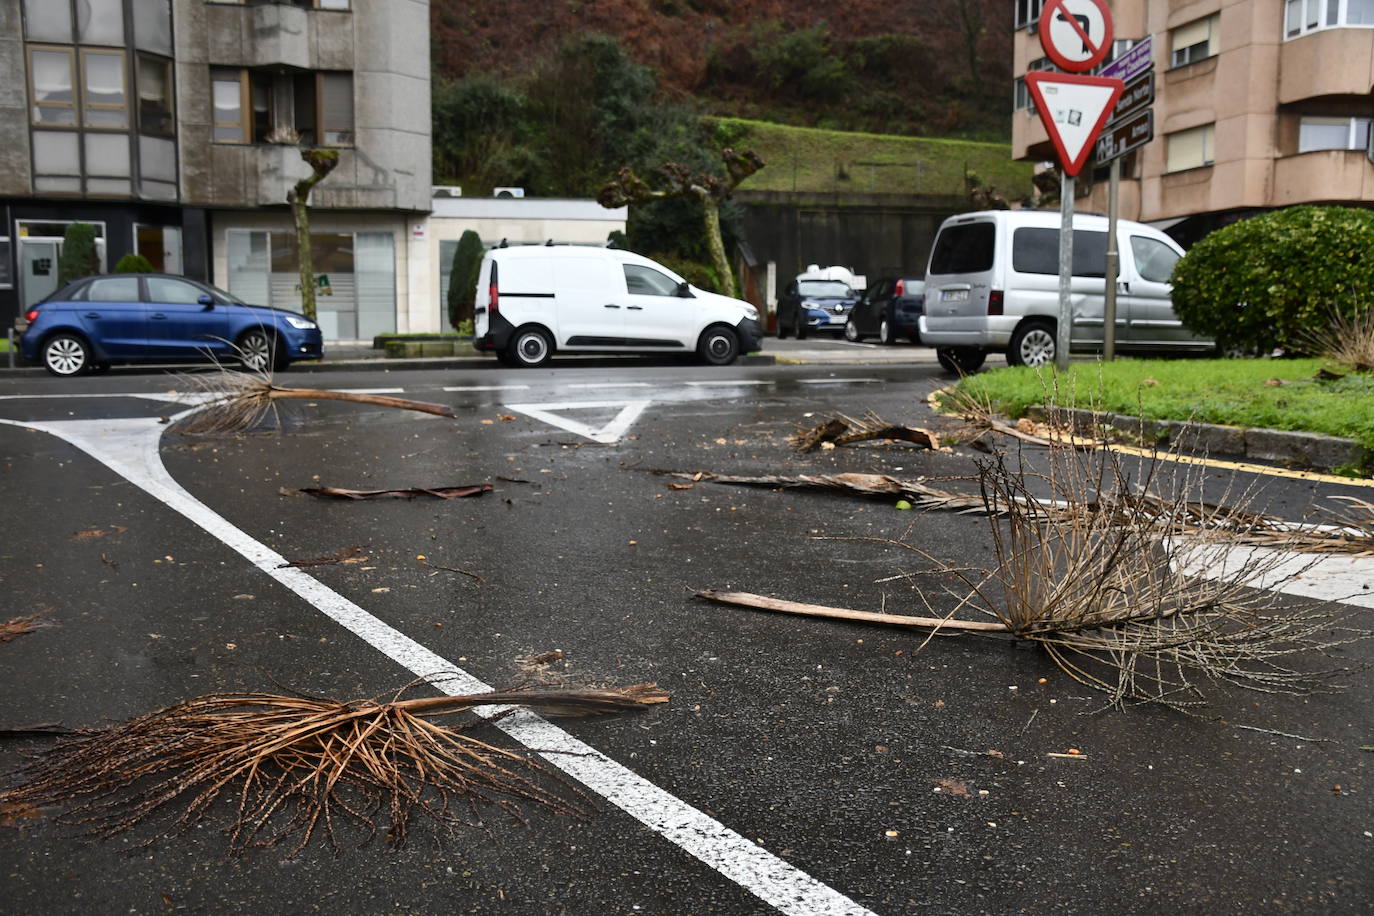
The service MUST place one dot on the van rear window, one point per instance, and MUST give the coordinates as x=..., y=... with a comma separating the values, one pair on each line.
x=965, y=249
x=1036, y=251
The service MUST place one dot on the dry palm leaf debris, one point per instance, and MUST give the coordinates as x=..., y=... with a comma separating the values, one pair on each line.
x=16, y=627
x=299, y=768
x=459, y=492
x=1099, y=579
x=842, y=430
x=236, y=401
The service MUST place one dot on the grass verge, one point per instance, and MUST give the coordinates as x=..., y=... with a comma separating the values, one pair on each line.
x=1271, y=394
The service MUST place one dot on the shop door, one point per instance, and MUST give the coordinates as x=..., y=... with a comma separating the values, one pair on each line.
x=37, y=269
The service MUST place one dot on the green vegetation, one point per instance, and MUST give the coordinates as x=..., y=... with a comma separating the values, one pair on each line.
x=1276, y=279
x=133, y=264
x=79, y=256
x=462, y=287
x=811, y=159
x=1271, y=394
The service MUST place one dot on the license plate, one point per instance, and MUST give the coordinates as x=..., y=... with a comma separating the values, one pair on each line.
x=953, y=295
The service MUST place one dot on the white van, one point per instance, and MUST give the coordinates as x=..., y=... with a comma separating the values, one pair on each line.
x=993, y=284
x=533, y=301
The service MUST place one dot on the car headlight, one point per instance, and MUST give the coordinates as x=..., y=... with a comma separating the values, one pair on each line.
x=751, y=313
x=305, y=324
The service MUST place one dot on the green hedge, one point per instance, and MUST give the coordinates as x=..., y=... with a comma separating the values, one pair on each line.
x=1272, y=280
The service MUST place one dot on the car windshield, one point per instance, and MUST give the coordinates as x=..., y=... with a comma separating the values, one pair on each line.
x=831, y=289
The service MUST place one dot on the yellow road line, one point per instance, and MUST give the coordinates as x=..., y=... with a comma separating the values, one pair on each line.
x=1261, y=469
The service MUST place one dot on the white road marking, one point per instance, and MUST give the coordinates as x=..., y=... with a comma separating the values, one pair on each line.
x=606, y=435
x=487, y=388
x=735, y=384
x=611, y=385
x=837, y=381
x=130, y=448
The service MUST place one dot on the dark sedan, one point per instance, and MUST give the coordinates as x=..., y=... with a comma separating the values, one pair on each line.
x=890, y=309
x=814, y=305
x=156, y=318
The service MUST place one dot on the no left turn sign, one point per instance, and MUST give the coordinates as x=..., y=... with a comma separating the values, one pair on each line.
x=1076, y=34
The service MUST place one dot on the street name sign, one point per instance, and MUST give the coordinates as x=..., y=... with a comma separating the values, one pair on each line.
x=1123, y=136
x=1076, y=34
x=1138, y=59
x=1073, y=108
x=1139, y=93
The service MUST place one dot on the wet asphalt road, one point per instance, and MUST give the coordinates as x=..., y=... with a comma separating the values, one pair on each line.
x=822, y=742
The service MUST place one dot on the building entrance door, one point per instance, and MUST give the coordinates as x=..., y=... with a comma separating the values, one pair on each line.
x=37, y=268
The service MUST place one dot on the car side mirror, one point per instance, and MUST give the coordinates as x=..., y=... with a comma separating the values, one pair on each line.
x=206, y=300
x=684, y=290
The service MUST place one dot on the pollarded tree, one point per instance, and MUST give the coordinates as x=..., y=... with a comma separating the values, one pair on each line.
x=1272, y=280
x=321, y=162
x=674, y=179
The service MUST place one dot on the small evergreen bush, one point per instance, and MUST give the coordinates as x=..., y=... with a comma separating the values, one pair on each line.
x=462, y=282
x=133, y=264
x=79, y=258
x=1272, y=280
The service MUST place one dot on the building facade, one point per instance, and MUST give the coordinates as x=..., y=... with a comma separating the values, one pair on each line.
x=1258, y=104
x=175, y=128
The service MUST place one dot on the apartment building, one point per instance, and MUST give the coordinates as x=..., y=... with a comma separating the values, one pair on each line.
x=175, y=127
x=1259, y=104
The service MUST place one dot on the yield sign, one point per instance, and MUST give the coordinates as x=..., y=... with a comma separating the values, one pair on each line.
x=1073, y=109
x=607, y=434
x=1076, y=34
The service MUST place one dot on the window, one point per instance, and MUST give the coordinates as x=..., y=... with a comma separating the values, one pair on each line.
x=52, y=82
x=1021, y=97
x=227, y=90
x=1036, y=251
x=162, y=289
x=112, y=289
x=964, y=249
x=1304, y=16
x=1154, y=260
x=1195, y=41
x=1189, y=149
x=153, y=26
x=105, y=101
x=99, y=22
x=324, y=108
x=45, y=20
x=1028, y=12
x=6, y=263
x=1317, y=133
x=645, y=281
x=161, y=245
x=155, y=96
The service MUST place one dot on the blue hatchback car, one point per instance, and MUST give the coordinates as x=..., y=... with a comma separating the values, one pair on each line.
x=158, y=318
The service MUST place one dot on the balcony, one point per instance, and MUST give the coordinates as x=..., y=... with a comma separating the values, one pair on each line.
x=1325, y=175
x=1328, y=62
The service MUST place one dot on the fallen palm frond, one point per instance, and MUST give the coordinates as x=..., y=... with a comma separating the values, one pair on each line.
x=921, y=495
x=235, y=401
x=1096, y=573
x=459, y=492
x=843, y=430
x=979, y=419
x=16, y=627
x=301, y=767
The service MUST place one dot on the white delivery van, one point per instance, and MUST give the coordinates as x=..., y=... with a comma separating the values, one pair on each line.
x=533, y=301
x=993, y=284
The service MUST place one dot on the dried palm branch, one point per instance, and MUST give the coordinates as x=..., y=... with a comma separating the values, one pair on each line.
x=16, y=627
x=302, y=767
x=1097, y=576
x=843, y=430
x=233, y=401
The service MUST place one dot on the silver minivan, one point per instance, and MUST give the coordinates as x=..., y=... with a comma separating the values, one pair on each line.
x=992, y=284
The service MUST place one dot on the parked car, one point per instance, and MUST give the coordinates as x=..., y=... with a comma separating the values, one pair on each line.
x=157, y=318
x=889, y=309
x=534, y=301
x=808, y=305
x=993, y=284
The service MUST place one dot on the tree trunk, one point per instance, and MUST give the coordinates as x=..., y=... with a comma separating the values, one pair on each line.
x=321, y=162
x=710, y=211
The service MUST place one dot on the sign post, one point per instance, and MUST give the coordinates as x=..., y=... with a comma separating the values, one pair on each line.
x=1076, y=36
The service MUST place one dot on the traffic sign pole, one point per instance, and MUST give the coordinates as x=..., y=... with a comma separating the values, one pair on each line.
x=1113, y=264
x=1061, y=337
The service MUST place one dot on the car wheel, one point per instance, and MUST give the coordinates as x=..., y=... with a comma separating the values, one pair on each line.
x=1032, y=345
x=718, y=346
x=259, y=352
x=885, y=333
x=960, y=360
x=66, y=355
x=851, y=331
x=529, y=347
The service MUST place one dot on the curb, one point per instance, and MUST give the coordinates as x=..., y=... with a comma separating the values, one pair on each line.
x=1312, y=450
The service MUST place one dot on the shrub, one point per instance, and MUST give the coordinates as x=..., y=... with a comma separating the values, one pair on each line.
x=1269, y=281
x=133, y=264
x=462, y=282
x=79, y=255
